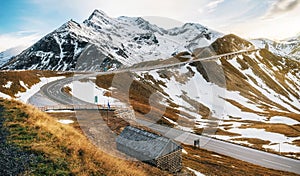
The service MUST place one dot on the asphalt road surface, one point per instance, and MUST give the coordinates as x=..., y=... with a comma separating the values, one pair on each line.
x=250, y=155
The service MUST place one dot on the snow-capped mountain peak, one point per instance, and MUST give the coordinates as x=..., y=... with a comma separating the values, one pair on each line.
x=193, y=25
x=68, y=26
x=121, y=41
x=99, y=18
x=287, y=48
x=97, y=13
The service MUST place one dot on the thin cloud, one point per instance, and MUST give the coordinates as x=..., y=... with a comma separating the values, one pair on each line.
x=213, y=5
x=227, y=13
x=16, y=39
x=280, y=7
x=222, y=15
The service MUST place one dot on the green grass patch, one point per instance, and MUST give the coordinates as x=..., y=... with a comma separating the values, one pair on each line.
x=20, y=137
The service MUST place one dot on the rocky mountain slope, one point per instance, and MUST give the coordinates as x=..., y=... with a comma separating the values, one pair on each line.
x=101, y=43
x=286, y=48
x=222, y=96
x=255, y=84
x=6, y=55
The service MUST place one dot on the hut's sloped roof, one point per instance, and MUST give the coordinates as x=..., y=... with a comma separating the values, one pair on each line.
x=150, y=145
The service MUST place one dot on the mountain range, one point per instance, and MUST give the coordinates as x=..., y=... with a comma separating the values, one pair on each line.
x=287, y=48
x=101, y=42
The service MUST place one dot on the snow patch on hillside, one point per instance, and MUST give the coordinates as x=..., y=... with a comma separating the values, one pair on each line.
x=196, y=88
x=5, y=96
x=262, y=87
x=87, y=91
x=7, y=85
x=196, y=172
x=275, y=138
x=24, y=96
x=65, y=121
x=209, y=94
x=284, y=120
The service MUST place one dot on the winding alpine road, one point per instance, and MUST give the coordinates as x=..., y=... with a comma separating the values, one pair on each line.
x=54, y=92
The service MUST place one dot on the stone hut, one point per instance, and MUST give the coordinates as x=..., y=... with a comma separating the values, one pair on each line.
x=150, y=148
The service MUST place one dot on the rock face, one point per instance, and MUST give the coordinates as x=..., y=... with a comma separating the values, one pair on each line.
x=231, y=43
x=102, y=43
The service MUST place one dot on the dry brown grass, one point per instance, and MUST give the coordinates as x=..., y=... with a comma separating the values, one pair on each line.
x=82, y=156
x=297, y=142
x=144, y=96
x=28, y=77
x=67, y=89
x=210, y=163
x=156, y=112
x=115, y=123
x=268, y=113
x=284, y=114
x=201, y=109
x=287, y=130
x=139, y=96
x=257, y=143
x=237, y=81
x=217, y=131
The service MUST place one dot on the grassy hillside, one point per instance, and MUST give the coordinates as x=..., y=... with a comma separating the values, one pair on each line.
x=33, y=143
x=258, y=87
x=208, y=163
x=139, y=94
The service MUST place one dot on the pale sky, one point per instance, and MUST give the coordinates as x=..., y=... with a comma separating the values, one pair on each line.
x=24, y=22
